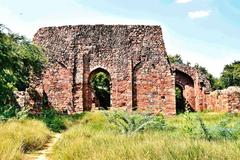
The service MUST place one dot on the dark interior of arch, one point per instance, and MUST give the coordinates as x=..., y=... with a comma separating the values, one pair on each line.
x=100, y=88
x=180, y=100
x=181, y=81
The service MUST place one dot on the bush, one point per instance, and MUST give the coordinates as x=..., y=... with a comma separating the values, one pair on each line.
x=204, y=129
x=52, y=119
x=57, y=121
x=8, y=111
x=221, y=129
x=11, y=111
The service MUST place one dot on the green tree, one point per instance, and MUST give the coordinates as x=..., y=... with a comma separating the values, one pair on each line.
x=18, y=59
x=175, y=59
x=215, y=82
x=231, y=74
x=101, y=86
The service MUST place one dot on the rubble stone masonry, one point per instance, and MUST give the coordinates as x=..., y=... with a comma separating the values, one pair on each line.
x=134, y=58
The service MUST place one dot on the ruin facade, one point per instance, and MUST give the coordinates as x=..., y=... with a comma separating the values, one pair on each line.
x=133, y=56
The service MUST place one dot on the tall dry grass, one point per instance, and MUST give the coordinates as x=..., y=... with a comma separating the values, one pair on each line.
x=20, y=136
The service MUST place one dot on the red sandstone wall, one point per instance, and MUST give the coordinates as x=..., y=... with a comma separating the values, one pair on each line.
x=116, y=49
x=134, y=57
x=154, y=90
x=195, y=85
x=227, y=100
x=58, y=87
x=188, y=93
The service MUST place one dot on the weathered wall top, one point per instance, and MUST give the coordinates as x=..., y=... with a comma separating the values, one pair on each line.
x=193, y=73
x=130, y=40
x=229, y=90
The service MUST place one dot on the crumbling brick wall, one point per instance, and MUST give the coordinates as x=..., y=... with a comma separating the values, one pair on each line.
x=134, y=56
x=227, y=100
x=194, y=84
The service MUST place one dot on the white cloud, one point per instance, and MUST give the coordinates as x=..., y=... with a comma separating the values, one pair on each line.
x=183, y=1
x=199, y=14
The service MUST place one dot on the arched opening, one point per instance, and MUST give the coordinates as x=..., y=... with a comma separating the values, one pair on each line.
x=180, y=100
x=99, y=81
x=184, y=89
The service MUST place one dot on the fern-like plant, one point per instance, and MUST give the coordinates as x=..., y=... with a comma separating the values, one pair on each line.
x=132, y=123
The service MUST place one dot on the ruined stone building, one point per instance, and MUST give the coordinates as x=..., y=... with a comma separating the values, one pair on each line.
x=132, y=56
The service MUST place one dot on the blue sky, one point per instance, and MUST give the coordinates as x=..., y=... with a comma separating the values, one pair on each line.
x=202, y=31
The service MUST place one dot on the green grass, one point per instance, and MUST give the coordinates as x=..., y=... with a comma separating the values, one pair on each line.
x=182, y=138
x=20, y=136
x=118, y=135
x=55, y=121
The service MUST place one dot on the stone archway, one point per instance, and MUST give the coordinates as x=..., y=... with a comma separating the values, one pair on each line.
x=99, y=86
x=186, y=85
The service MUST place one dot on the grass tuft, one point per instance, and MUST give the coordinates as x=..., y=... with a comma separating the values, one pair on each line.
x=20, y=136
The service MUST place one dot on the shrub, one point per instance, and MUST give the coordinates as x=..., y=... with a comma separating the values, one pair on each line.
x=8, y=111
x=158, y=123
x=190, y=125
x=204, y=129
x=53, y=119
x=223, y=131
x=57, y=121
x=11, y=111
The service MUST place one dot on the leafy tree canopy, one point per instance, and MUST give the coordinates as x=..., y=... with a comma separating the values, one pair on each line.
x=101, y=86
x=175, y=59
x=215, y=82
x=18, y=59
x=231, y=75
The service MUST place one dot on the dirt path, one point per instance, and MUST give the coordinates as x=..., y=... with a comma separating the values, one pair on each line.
x=43, y=154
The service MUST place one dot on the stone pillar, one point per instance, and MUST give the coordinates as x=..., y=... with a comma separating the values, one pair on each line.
x=87, y=95
x=122, y=89
x=198, y=93
x=78, y=74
